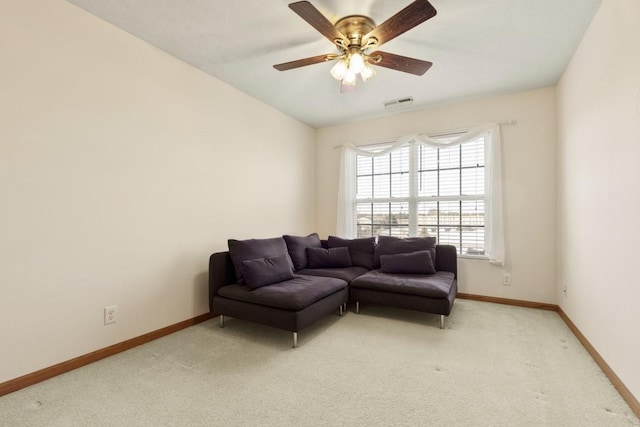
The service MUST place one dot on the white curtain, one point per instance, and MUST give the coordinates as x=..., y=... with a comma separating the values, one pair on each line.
x=494, y=232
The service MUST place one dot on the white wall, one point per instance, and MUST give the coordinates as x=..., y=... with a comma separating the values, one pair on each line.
x=529, y=165
x=121, y=170
x=598, y=194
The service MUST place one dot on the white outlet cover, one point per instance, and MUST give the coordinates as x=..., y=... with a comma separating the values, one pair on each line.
x=110, y=314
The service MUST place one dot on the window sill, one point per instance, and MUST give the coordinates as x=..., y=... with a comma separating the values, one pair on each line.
x=478, y=257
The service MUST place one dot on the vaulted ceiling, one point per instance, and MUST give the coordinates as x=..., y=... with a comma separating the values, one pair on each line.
x=478, y=49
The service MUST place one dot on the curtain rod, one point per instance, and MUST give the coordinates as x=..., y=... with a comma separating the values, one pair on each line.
x=447, y=133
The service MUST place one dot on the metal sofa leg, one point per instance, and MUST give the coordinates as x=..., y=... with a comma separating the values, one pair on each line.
x=340, y=310
x=222, y=321
x=295, y=339
x=357, y=307
x=442, y=321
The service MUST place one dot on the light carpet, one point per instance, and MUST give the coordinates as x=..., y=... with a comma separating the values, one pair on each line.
x=493, y=365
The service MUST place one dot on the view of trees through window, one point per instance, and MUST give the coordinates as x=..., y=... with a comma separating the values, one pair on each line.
x=419, y=190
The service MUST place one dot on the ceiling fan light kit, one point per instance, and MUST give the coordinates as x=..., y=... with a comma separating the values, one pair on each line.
x=354, y=35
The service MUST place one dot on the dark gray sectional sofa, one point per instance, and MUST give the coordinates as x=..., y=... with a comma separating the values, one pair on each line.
x=290, y=282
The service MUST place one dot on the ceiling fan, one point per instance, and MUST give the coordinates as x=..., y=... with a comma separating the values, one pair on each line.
x=355, y=35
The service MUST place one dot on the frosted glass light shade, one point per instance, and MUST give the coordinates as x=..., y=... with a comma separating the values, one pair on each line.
x=349, y=78
x=356, y=63
x=367, y=72
x=339, y=70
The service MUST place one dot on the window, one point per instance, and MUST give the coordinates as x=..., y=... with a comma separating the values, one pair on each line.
x=420, y=190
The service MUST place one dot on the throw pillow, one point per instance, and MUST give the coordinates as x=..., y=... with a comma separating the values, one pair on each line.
x=297, y=247
x=242, y=250
x=361, y=250
x=388, y=245
x=266, y=271
x=328, y=258
x=419, y=262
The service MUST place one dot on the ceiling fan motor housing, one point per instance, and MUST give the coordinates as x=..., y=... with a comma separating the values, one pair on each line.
x=355, y=27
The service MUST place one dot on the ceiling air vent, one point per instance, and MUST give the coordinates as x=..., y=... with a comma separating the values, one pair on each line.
x=398, y=103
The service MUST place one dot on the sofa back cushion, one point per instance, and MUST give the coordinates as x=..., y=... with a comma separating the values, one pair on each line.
x=388, y=245
x=328, y=258
x=242, y=250
x=297, y=247
x=265, y=271
x=361, y=250
x=419, y=262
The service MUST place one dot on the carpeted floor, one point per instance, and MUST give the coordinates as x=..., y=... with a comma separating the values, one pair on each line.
x=493, y=365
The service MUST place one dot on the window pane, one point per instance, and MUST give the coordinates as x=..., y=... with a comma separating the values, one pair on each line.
x=428, y=214
x=363, y=213
x=473, y=212
x=399, y=231
x=449, y=236
x=449, y=157
x=428, y=184
x=388, y=219
x=400, y=185
x=381, y=230
x=449, y=214
x=450, y=182
x=473, y=153
x=428, y=158
x=426, y=232
x=364, y=187
x=381, y=186
x=399, y=214
x=381, y=164
x=473, y=240
x=380, y=213
x=400, y=160
x=364, y=165
x=473, y=181
x=365, y=231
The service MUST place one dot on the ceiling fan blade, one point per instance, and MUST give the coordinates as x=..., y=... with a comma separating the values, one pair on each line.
x=409, y=17
x=401, y=63
x=302, y=62
x=317, y=20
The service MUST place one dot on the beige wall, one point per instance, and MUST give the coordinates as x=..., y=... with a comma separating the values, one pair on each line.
x=529, y=164
x=121, y=170
x=598, y=188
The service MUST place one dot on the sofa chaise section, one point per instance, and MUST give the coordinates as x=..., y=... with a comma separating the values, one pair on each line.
x=290, y=305
x=431, y=293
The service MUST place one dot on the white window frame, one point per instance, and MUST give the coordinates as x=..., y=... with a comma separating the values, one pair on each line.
x=494, y=234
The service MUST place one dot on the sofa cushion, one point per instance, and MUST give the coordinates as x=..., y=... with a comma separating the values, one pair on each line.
x=242, y=250
x=328, y=258
x=437, y=285
x=294, y=294
x=361, y=250
x=410, y=263
x=297, y=247
x=261, y=272
x=347, y=274
x=389, y=245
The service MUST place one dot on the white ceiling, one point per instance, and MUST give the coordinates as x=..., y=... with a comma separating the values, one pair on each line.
x=478, y=48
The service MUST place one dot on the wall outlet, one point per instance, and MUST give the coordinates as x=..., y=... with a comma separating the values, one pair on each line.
x=110, y=314
x=506, y=279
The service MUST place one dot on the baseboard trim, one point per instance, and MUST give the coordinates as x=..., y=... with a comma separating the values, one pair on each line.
x=615, y=380
x=508, y=301
x=77, y=362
